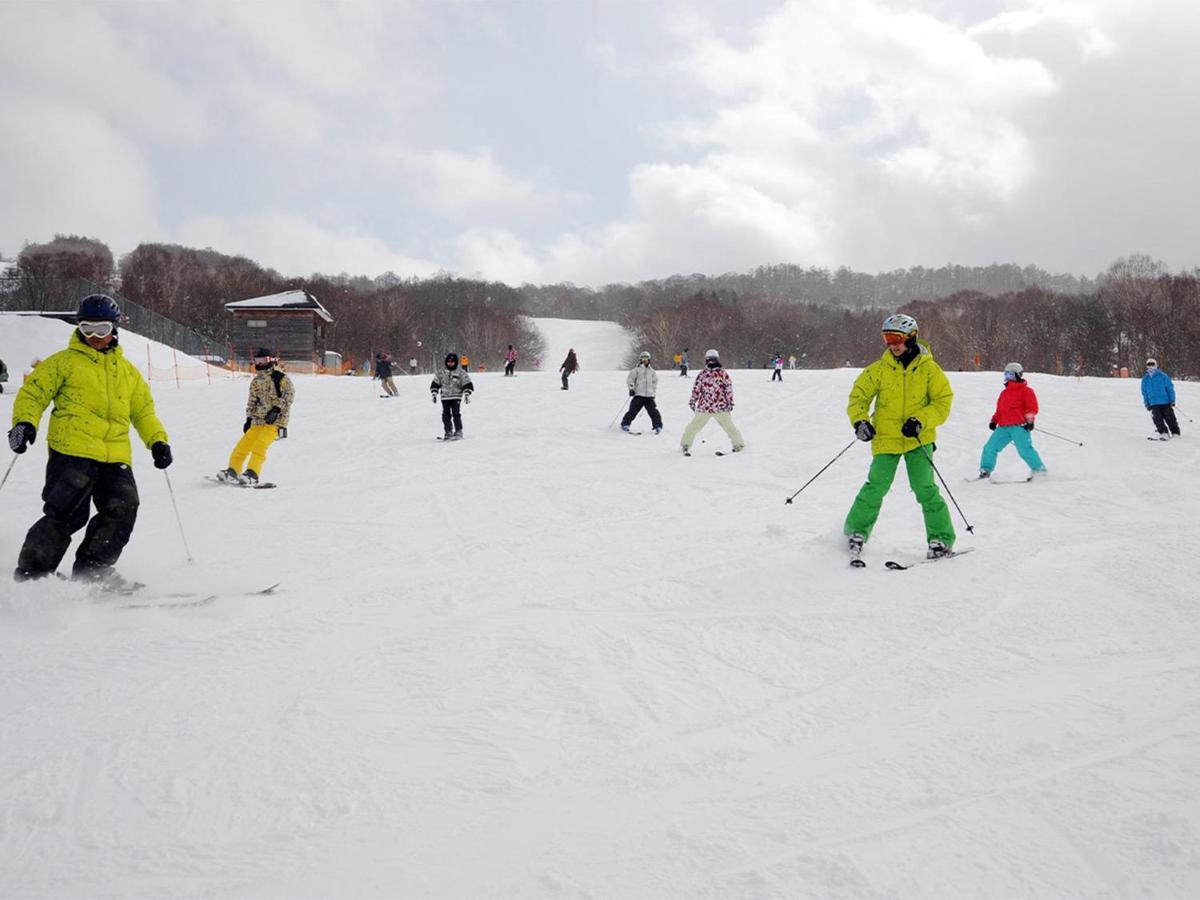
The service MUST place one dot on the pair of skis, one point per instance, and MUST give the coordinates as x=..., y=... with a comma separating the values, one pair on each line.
x=187, y=600
x=857, y=562
x=257, y=485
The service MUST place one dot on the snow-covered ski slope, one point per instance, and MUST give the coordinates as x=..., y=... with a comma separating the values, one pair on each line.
x=552, y=660
x=599, y=346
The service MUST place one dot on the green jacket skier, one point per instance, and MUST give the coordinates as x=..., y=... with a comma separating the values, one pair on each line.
x=912, y=396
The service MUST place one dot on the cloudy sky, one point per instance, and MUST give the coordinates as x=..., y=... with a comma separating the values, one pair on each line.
x=606, y=140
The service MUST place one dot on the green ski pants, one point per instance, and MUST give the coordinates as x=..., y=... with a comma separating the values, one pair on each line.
x=864, y=512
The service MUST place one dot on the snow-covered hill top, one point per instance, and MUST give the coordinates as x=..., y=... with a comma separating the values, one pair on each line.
x=599, y=346
x=552, y=660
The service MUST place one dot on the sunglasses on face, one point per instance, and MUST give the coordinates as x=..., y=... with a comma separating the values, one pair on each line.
x=894, y=338
x=96, y=329
x=1151, y=365
x=263, y=360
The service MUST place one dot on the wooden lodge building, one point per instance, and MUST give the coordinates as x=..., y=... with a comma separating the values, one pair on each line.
x=293, y=325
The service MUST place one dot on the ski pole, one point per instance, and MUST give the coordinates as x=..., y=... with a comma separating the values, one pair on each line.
x=929, y=456
x=1059, y=436
x=9, y=469
x=614, y=418
x=171, y=491
x=823, y=468
x=1185, y=415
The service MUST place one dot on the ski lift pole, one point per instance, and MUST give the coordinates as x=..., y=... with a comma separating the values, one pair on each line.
x=823, y=468
x=929, y=456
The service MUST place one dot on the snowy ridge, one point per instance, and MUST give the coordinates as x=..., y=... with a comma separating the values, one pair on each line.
x=549, y=661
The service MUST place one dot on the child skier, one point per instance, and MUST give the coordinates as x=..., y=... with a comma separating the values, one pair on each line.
x=712, y=398
x=642, y=382
x=383, y=371
x=267, y=413
x=510, y=361
x=1012, y=422
x=912, y=397
x=97, y=394
x=455, y=384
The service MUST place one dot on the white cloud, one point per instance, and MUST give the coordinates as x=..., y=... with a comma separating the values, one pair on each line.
x=71, y=172
x=459, y=184
x=496, y=253
x=293, y=245
x=279, y=115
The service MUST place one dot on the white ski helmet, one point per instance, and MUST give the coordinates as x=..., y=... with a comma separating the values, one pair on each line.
x=645, y=354
x=1015, y=368
x=1152, y=363
x=711, y=354
x=901, y=324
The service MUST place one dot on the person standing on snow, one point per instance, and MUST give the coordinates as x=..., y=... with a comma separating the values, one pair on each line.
x=1012, y=422
x=642, y=382
x=1158, y=394
x=712, y=398
x=510, y=361
x=777, y=375
x=912, y=396
x=267, y=414
x=455, y=385
x=683, y=363
x=569, y=367
x=97, y=394
x=383, y=371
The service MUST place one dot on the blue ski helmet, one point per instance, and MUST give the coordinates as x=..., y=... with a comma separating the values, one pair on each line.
x=98, y=308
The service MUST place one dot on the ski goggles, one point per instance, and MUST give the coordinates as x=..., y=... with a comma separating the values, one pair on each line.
x=96, y=329
x=894, y=338
x=263, y=360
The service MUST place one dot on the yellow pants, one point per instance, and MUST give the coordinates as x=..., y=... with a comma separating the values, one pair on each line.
x=254, y=443
x=724, y=419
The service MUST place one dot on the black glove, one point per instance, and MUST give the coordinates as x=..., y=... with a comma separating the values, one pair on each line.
x=246, y=426
x=161, y=451
x=434, y=396
x=467, y=397
x=992, y=425
x=1029, y=426
x=272, y=414
x=864, y=430
x=911, y=428
x=21, y=436
x=282, y=432
x=631, y=392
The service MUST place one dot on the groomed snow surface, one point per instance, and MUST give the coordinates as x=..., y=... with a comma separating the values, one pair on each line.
x=552, y=660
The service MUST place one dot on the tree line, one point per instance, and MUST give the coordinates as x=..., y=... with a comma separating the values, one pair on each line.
x=970, y=316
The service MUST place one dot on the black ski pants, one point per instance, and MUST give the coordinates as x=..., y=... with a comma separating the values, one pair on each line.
x=1164, y=418
x=777, y=375
x=636, y=405
x=451, y=414
x=510, y=366
x=73, y=484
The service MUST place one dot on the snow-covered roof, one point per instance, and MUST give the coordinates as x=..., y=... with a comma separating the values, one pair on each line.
x=284, y=300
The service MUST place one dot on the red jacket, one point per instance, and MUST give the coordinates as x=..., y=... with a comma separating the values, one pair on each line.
x=1017, y=404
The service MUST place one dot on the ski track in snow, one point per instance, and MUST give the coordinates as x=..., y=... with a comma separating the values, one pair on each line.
x=551, y=661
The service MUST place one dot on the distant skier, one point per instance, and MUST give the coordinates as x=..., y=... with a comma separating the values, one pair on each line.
x=912, y=396
x=683, y=362
x=412, y=366
x=642, y=382
x=1012, y=422
x=383, y=371
x=1158, y=393
x=97, y=394
x=3, y=375
x=777, y=375
x=268, y=410
x=712, y=398
x=510, y=361
x=569, y=367
x=455, y=385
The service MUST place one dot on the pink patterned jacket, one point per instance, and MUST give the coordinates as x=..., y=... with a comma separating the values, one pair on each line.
x=712, y=391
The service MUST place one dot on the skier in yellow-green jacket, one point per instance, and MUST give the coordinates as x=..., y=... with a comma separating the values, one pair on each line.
x=912, y=396
x=97, y=394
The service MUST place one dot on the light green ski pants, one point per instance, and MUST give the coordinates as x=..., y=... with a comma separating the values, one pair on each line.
x=864, y=512
x=724, y=419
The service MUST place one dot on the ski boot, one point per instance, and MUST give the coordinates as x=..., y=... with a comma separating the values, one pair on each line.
x=658, y=430
x=984, y=473
x=105, y=578
x=625, y=428
x=937, y=549
x=228, y=475
x=854, y=543
x=249, y=477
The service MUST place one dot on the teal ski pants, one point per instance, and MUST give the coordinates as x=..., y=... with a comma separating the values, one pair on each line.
x=1019, y=438
x=864, y=512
